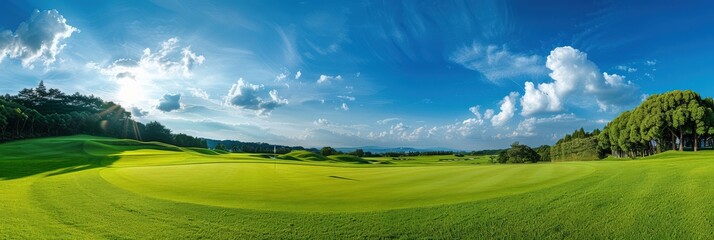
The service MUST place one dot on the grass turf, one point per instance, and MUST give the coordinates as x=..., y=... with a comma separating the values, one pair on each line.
x=89, y=187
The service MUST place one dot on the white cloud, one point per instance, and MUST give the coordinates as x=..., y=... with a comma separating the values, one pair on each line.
x=627, y=69
x=386, y=121
x=167, y=62
x=528, y=126
x=297, y=75
x=349, y=98
x=345, y=107
x=475, y=111
x=478, y=117
x=488, y=114
x=432, y=131
x=328, y=79
x=402, y=132
x=508, y=108
x=138, y=112
x=169, y=103
x=141, y=81
x=291, y=55
x=38, y=39
x=497, y=63
x=575, y=76
x=321, y=122
x=245, y=95
x=651, y=62
x=373, y=135
x=543, y=98
x=281, y=76
x=472, y=122
x=415, y=135
x=199, y=93
x=398, y=128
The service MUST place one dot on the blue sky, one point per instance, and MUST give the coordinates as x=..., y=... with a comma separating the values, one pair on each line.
x=459, y=74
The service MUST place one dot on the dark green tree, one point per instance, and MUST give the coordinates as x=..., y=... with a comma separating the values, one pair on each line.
x=358, y=152
x=327, y=151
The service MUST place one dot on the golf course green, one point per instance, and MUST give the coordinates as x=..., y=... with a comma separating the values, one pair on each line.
x=86, y=187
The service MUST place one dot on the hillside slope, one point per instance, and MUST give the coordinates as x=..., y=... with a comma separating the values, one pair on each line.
x=85, y=187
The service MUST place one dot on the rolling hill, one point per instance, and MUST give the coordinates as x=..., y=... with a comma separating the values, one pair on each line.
x=92, y=187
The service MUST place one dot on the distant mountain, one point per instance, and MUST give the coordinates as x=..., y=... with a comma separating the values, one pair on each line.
x=375, y=149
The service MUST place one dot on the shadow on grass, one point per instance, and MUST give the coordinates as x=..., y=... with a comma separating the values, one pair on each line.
x=62, y=155
x=344, y=178
x=19, y=168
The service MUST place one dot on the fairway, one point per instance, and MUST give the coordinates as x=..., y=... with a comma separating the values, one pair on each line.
x=341, y=188
x=90, y=187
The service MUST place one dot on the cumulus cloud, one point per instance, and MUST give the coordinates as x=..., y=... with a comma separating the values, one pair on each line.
x=328, y=79
x=245, y=95
x=475, y=111
x=497, y=63
x=478, y=118
x=281, y=76
x=137, y=112
x=199, y=93
x=401, y=132
x=488, y=114
x=169, y=102
x=38, y=39
x=297, y=75
x=508, y=109
x=575, y=76
x=651, y=62
x=166, y=63
x=399, y=127
x=626, y=68
x=542, y=98
x=345, y=107
x=321, y=122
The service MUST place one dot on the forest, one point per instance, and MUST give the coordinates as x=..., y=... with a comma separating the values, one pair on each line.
x=670, y=121
x=675, y=120
x=236, y=146
x=41, y=112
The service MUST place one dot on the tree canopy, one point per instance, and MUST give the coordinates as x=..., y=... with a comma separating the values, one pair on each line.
x=668, y=121
x=42, y=112
x=519, y=153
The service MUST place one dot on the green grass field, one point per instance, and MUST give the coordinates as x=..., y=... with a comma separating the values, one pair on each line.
x=91, y=187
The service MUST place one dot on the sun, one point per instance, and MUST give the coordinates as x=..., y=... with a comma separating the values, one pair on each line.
x=130, y=92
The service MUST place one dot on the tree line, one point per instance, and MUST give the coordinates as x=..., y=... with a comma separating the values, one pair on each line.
x=668, y=121
x=253, y=147
x=579, y=134
x=579, y=145
x=675, y=120
x=42, y=112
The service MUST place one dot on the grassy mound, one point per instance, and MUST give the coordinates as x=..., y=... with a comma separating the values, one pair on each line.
x=221, y=151
x=348, y=158
x=303, y=155
x=203, y=151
